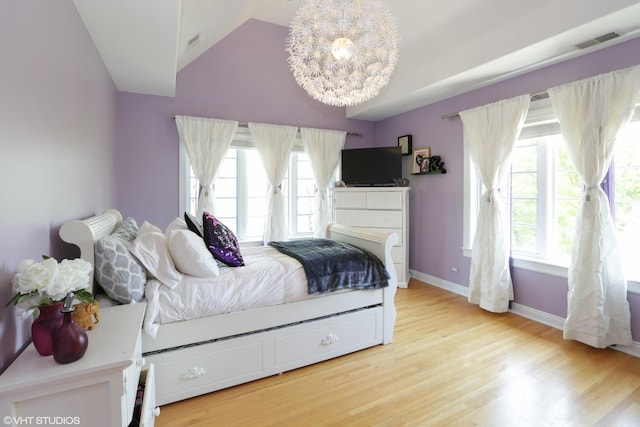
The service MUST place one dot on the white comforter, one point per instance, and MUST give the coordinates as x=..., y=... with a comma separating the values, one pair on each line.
x=268, y=278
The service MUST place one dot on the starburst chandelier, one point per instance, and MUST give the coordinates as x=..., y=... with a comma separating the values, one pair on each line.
x=342, y=52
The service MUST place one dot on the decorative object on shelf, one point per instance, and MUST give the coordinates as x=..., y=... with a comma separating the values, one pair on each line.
x=436, y=165
x=404, y=142
x=343, y=52
x=48, y=321
x=421, y=160
x=70, y=341
x=40, y=285
x=87, y=314
x=401, y=182
x=430, y=166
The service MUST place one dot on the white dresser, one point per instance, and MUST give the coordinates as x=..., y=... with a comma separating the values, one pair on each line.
x=97, y=390
x=381, y=208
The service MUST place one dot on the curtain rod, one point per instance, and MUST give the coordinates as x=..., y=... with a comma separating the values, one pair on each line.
x=246, y=125
x=534, y=97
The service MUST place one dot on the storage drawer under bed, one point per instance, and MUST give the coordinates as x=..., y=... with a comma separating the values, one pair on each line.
x=188, y=372
x=323, y=341
x=195, y=370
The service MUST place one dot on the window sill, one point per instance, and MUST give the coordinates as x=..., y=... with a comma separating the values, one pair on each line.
x=550, y=269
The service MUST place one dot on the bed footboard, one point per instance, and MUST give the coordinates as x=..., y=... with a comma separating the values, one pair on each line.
x=379, y=244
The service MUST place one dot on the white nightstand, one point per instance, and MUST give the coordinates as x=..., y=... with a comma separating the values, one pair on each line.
x=98, y=390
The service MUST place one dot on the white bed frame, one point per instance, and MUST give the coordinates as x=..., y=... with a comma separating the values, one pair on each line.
x=203, y=355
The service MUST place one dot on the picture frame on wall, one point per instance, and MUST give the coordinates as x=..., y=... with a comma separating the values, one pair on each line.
x=404, y=142
x=421, y=160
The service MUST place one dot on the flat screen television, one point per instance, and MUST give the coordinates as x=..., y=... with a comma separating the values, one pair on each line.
x=365, y=167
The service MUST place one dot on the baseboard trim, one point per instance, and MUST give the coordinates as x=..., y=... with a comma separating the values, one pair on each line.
x=551, y=320
x=556, y=322
x=440, y=283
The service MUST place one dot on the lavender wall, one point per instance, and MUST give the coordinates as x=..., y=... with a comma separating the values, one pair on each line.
x=436, y=201
x=244, y=77
x=57, y=136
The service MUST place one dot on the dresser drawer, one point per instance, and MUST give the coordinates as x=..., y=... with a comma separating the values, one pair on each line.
x=334, y=336
x=391, y=200
x=398, y=254
x=131, y=377
x=148, y=409
x=385, y=200
x=369, y=219
x=350, y=200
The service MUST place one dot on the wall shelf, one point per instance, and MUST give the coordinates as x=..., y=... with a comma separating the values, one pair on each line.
x=429, y=166
x=441, y=172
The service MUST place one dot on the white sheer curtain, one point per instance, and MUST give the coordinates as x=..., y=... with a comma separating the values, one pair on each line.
x=591, y=112
x=206, y=142
x=274, y=143
x=323, y=148
x=490, y=133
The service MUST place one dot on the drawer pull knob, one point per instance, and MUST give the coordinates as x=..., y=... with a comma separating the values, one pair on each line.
x=141, y=362
x=156, y=411
x=193, y=373
x=329, y=339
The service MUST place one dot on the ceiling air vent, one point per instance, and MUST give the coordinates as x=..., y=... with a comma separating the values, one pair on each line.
x=597, y=40
x=193, y=41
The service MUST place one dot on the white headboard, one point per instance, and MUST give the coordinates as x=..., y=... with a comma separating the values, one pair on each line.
x=84, y=233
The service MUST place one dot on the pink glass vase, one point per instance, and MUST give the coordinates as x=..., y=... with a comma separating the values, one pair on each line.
x=48, y=321
x=70, y=341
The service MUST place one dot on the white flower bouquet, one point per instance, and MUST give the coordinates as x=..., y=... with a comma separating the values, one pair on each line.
x=48, y=282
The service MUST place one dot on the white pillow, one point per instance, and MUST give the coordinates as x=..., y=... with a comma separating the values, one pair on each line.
x=147, y=227
x=176, y=224
x=190, y=254
x=151, y=247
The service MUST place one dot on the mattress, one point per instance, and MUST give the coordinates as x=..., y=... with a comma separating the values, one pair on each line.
x=268, y=278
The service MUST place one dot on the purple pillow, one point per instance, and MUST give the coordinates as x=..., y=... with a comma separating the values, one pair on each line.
x=221, y=241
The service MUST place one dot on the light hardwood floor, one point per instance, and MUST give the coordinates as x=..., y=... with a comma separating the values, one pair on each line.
x=451, y=364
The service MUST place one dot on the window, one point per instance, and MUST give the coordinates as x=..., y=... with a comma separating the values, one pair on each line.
x=241, y=190
x=524, y=196
x=304, y=189
x=545, y=191
x=543, y=195
x=626, y=197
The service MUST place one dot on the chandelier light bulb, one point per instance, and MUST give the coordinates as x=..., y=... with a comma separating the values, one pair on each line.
x=342, y=48
x=342, y=52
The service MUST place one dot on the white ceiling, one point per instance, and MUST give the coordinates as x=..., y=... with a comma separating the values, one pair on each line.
x=447, y=47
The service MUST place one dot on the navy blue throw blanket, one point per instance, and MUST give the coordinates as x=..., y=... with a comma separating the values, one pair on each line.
x=331, y=265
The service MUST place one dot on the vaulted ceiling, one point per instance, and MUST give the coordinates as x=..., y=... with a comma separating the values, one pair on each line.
x=446, y=47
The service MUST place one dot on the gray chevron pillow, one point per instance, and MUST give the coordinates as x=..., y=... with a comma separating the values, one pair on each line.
x=117, y=271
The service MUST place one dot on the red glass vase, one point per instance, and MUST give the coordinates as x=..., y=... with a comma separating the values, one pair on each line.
x=42, y=329
x=70, y=341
